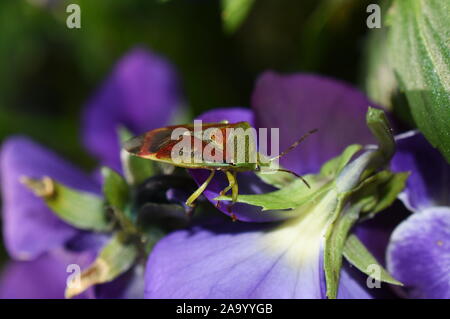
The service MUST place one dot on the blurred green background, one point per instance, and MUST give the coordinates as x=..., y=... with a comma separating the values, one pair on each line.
x=47, y=71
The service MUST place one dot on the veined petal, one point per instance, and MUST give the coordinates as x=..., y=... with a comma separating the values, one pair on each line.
x=298, y=103
x=419, y=254
x=30, y=228
x=429, y=182
x=142, y=93
x=242, y=260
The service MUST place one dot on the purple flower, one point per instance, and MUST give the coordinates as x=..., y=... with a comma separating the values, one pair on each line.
x=419, y=249
x=295, y=104
x=280, y=259
x=140, y=94
x=32, y=232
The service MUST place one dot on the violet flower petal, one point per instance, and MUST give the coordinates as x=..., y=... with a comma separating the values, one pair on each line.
x=429, y=183
x=298, y=103
x=375, y=232
x=142, y=93
x=42, y=278
x=129, y=285
x=30, y=228
x=419, y=254
x=239, y=261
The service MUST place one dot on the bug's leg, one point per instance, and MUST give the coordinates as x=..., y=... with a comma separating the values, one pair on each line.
x=234, y=192
x=200, y=190
x=226, y=189
x=234, y=187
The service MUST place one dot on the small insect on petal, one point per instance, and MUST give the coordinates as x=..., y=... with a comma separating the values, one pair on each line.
x=226, y=147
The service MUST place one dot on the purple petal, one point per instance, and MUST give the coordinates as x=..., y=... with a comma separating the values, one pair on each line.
x=233, y=115
x=375, y=232
x=429, y=182
x=42, y=278
x=419, y=254
x=301, y=102
x=351, y=284
x=248, y=182
x=30, y=228
x=127, y=286
x=237, y=260
x=142, y=93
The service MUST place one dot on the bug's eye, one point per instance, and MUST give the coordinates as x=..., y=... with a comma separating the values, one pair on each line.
x=181, y=153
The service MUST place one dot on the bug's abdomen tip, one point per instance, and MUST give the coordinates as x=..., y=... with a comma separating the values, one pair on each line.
x=134, y=145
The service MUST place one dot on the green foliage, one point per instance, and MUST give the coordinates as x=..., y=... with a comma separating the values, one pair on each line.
x=114, y=259
x=80, y=209
x=358, y=255
x=115, y=189
x=234, y=13
x=373, y=195
x=419, y=50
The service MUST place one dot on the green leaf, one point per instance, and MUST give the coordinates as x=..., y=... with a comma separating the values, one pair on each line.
x=419, y=51
x=136, y=169
x=358, y=255
x=80, y=209
x=234, y=13
x=115, y=189
x=378, y=76
x=115, y=258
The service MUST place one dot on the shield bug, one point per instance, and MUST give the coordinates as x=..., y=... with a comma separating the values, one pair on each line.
x=227, y=147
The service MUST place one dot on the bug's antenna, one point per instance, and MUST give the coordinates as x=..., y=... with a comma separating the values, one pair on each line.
x=294, y=145
x=295, y=174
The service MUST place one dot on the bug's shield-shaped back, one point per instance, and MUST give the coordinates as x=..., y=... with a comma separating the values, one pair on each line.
x=204, y=146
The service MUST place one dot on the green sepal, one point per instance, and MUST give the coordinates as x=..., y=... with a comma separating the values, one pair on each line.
x=234, y=13
x=114, y=259
x=379, y=191
x=80, y=209
x=115, y=189
x=378, y=124
x=373, y=195
x=135, y=169
x=358, y=255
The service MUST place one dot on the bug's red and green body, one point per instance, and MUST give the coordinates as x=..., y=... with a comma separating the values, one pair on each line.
x=157, y=145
